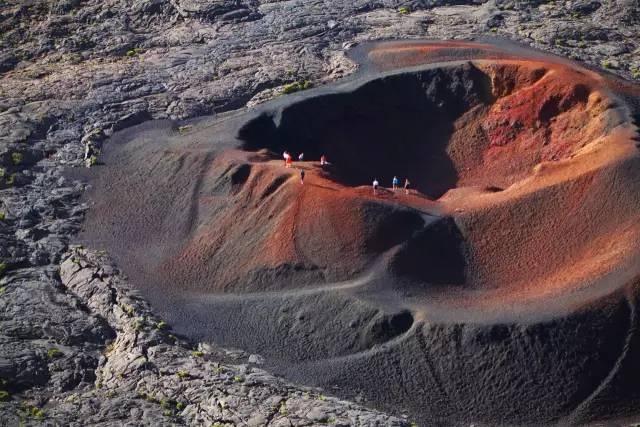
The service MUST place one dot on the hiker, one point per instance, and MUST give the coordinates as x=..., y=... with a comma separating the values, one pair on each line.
x=375, y=186
x=323, y=160
x=395, y=183
x=301, y=157
x=406, y=186
x=302, y=176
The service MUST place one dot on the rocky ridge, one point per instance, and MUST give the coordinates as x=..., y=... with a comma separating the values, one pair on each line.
x=77, y=70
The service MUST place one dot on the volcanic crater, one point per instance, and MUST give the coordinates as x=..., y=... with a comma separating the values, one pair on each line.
x=501, y=289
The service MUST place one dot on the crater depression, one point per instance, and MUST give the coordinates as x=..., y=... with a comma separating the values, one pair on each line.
x=501, y=289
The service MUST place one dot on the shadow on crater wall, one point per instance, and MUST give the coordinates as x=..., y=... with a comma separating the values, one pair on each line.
x=395, y=125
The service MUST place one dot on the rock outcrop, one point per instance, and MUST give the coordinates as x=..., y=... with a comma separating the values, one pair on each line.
x=120, y=364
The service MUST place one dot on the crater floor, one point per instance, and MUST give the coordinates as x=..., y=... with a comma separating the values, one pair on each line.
x=501, y=289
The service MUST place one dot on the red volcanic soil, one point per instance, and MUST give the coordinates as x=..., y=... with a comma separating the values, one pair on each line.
x=273, y=229
x=528, y=160
x=505, y=280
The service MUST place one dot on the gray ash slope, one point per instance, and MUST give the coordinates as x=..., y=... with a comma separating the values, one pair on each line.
x=66, y=71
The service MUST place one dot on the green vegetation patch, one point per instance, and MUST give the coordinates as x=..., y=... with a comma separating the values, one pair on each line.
x=608, y=64
x=167, y=404
x=54, y=353
x=138, y=325
x=127, y=309
x=296, y=87
x=17, y=158
x=34, y=412
x=161, y=325
x=283, y=409
x=134, y=52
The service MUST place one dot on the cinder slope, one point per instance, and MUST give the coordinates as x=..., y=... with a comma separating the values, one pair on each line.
x=502, y=290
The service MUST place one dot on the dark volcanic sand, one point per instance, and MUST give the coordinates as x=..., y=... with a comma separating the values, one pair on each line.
x=501, y=291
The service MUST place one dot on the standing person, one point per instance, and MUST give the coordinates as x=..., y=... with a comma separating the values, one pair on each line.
x=375, y=186
x=288, y=162
x=301, y=157
x=406, y=186
x=286, y=157
x=302, y=176
x=395, y=183
x=323, y=160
